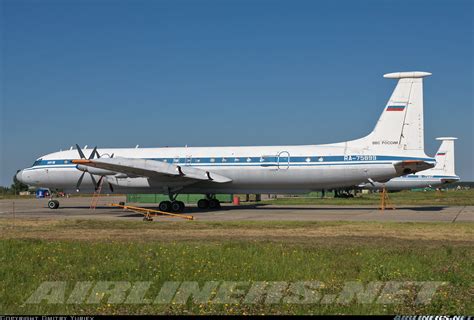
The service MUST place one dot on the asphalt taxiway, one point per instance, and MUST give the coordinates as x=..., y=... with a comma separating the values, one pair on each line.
x=78, y=208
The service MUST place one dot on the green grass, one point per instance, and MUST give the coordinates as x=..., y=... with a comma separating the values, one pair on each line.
x=26, y=263
x=450, y=197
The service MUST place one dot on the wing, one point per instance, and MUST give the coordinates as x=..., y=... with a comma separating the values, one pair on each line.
x=152, y=169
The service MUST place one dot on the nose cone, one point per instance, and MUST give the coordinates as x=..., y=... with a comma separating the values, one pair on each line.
x=19, y=176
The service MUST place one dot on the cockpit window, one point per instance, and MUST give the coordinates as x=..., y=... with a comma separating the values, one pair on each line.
x=37, y=162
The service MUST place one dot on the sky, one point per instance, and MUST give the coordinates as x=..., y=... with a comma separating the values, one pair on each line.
x=116, y=73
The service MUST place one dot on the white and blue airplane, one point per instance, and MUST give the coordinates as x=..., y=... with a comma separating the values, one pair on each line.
x=394, y=148
x=442, y=174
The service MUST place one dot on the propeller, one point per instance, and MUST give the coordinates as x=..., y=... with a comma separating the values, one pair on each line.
x=92, y=155
x=81, y=154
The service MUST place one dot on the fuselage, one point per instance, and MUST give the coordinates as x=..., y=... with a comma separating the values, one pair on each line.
x=414, y=181
x=262, y=169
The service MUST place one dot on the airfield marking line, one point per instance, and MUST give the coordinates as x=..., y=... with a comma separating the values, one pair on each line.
x=457, y=215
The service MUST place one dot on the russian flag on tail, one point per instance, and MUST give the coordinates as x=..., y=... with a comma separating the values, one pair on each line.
x=395, y=108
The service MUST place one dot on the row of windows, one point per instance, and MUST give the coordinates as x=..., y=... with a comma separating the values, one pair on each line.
x=50, y=162
x=249, y=159
x=199, y=160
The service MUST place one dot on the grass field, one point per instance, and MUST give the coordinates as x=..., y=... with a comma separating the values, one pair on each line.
x=450, y=197
x=331, y=252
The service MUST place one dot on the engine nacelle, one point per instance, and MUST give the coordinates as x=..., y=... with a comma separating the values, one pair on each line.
x=96, y=171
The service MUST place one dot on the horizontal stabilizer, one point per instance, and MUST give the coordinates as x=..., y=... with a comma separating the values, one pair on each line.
x=411, y=166
x=411, y=74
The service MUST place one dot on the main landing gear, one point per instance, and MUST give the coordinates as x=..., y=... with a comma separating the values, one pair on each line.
x=210, y=202
x=171, y=206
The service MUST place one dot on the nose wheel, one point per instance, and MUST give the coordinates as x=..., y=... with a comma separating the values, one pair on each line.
x=53, y=204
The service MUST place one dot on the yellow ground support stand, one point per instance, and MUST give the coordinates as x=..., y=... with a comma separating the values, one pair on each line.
x=96, y=195
x=148, y=213
x=385, y=202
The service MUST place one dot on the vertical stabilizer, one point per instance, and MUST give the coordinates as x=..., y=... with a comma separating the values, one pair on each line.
x=400, y=127
x=445, y=156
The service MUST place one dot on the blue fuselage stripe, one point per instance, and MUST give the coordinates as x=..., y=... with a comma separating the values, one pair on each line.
x=266, y=161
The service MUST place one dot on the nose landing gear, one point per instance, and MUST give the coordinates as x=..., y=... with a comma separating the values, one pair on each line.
x=53, y=204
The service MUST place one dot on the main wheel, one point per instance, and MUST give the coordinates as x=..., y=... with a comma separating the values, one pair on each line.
x=214, y=204
x=165, y=206
x=177, y=206
x=53, y=204
x=203, y=204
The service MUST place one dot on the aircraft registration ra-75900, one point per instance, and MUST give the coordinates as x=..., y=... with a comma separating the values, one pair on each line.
x=394, y=148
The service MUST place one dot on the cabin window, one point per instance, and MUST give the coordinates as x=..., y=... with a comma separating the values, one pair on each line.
x=213, y=160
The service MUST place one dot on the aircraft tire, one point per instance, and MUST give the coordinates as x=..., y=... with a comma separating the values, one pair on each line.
x=203, y=204
x=177, y=206
x=214, y=204
x=165, y=206
x=53, y=204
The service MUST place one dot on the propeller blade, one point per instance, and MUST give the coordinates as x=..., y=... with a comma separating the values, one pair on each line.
x=94, y=181
x=78, y=184
x=111, y=187
x=112, y=155
x=81, y=154
x=99, y=183
x=93, y=153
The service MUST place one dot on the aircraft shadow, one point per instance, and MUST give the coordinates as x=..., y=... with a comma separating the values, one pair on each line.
x=263, y=207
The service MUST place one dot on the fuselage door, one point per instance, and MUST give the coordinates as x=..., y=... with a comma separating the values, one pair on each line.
x=283, y=160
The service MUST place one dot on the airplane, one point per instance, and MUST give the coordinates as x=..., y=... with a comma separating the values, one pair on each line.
x=394, y=148
x=442, y=174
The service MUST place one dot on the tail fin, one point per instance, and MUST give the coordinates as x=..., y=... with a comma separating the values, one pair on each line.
x=445, y=156
x=400, y=127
